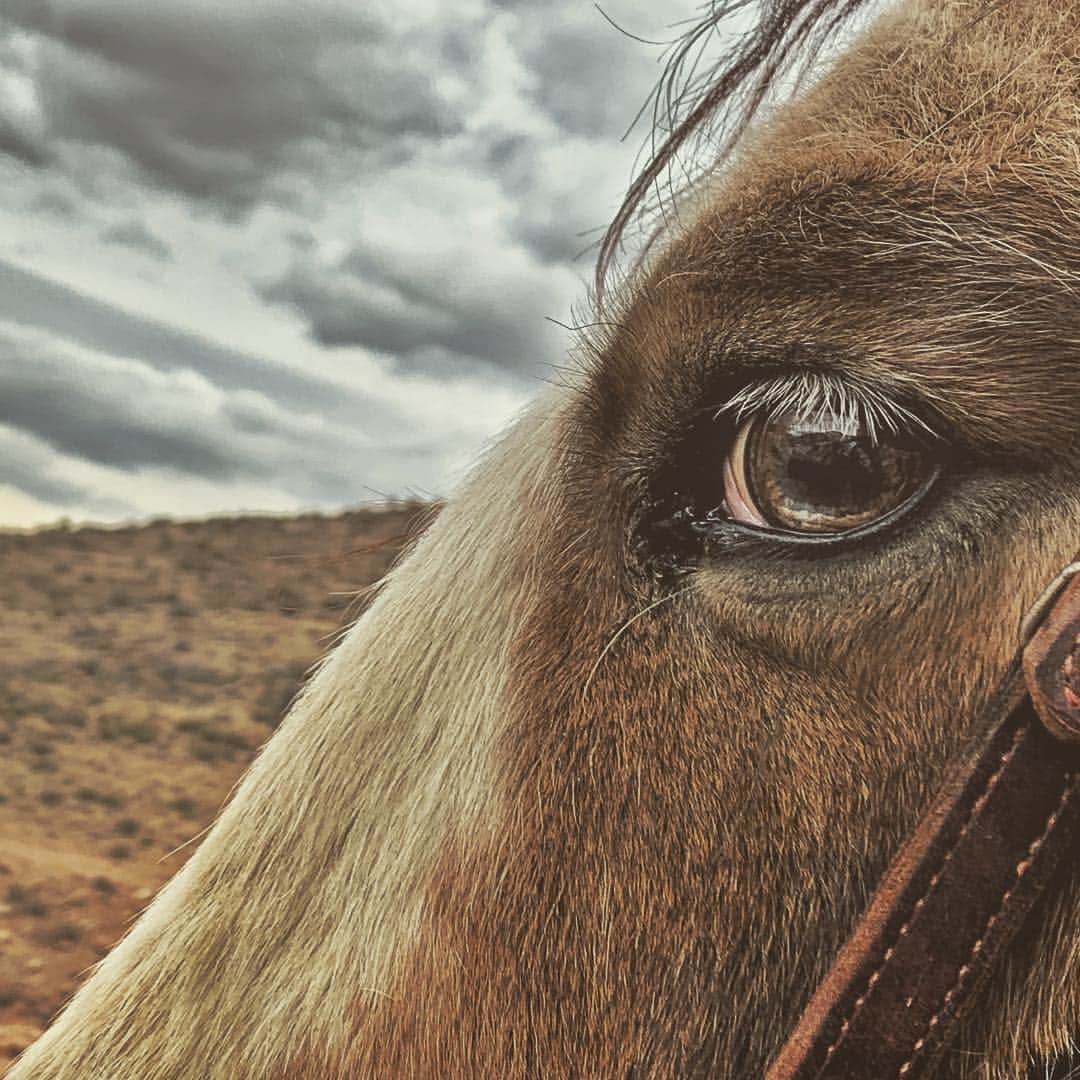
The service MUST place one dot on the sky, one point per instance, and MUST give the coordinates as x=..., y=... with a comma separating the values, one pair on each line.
x=274, y=255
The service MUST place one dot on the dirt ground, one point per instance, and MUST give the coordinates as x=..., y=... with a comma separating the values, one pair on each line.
x=140, y=669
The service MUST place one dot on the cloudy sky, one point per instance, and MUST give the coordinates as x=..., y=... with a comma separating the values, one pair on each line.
x=278, y=254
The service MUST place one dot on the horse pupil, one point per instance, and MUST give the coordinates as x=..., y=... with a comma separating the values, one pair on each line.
x=831, y=471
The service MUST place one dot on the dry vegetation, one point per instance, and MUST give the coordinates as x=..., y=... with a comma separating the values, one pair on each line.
x=140, y=669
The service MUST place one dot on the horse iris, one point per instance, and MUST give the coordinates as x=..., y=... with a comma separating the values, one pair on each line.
x=818, y=474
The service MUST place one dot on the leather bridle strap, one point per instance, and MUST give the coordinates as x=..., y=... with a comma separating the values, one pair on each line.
x=958, y=891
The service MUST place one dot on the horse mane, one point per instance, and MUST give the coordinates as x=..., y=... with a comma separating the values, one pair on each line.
x=698, y=106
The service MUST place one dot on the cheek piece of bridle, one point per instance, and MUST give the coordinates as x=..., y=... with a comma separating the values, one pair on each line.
x=958, y=891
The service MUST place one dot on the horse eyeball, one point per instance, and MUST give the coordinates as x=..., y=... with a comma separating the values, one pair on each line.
x=818, y=474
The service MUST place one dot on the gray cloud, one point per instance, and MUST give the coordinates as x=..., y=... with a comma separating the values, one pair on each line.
x=221, y=101
x=30, y=466
x=246, y=104
x=588, y=76
x=123, y=416
x=412, y=183
x=55, y=203
x=416, y=308
x=33, y=300
x=22, y=130
x=558, y=213
x=19, y=143
x=134, y=234
x=116, y=417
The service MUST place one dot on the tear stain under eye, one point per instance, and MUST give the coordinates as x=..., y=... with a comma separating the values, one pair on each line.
x=671, y=544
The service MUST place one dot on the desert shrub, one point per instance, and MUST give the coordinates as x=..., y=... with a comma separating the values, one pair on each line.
x=224, y=737
x=211, y=744
x=86, y=634
x=289, y=600
x=119, y=851
x=126, y=827
x=278, y=691
x=187, y=680
x=120, y=597
x=185, y=807
x=208, y=752
x=104, y=886
x=50, y=797
x=61, y=935
x=26, y=901
x=108, y=726
x=112, y=726
x=16, y=704
x=198, y=673
x=142, y=731
x=102, y=798
x=62, y=717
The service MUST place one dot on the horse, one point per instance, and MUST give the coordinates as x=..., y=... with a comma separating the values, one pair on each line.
x=604, y=777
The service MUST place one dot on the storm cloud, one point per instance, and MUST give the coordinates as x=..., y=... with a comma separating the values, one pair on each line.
x=295, y=253
x=219, y=100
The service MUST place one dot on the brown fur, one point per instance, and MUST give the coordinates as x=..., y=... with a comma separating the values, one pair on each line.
x=546, y=814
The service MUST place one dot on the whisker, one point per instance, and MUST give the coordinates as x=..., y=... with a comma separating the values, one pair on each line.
x=622, y=630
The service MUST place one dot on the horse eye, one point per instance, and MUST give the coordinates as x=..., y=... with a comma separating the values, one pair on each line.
x=820, y=473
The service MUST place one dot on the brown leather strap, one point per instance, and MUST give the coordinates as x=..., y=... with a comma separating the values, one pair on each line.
x=960, y=887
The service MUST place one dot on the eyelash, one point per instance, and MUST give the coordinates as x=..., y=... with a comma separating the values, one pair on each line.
x=810, y=393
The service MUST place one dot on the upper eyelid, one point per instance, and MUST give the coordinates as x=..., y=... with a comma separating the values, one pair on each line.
x=810, y=393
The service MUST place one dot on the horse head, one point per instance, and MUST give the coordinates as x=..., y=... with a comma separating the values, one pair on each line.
x=600, y=783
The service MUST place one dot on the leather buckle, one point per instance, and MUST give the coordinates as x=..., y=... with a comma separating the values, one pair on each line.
x=1038, y=611
x=1051, y=655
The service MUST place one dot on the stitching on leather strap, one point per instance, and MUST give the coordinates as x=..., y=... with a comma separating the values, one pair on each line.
x=965, y=970
x=976, y=807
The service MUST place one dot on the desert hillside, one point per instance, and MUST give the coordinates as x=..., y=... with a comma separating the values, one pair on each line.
x=140, y=669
